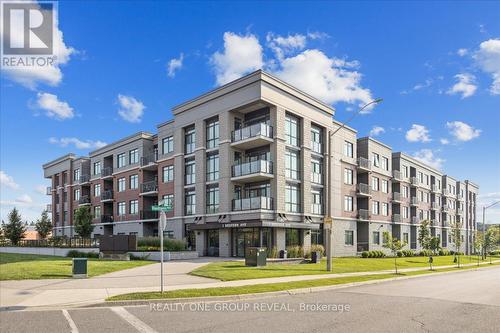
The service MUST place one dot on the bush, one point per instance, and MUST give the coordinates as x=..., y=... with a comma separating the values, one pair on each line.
x=495, y=253
x=399, y=253
x=295, y=252
x=444, y=252
x=318, y=247
x=364, y=254
x=134, y=257
x=425, y=253
x=408, y=253
x=272, y=253
x=153, y=244
x=80, y=254
x=373, y=254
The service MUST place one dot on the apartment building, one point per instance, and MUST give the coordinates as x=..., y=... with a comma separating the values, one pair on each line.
x=255, y=162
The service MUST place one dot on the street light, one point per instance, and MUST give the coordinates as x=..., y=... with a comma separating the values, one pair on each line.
x=484, y=216
x=328, y=220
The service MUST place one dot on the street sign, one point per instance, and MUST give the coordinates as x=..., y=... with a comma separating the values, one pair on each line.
x=158, y=208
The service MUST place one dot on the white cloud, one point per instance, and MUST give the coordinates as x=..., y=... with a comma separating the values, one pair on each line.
x=24, y=199
x=462, y=52
x=466, y=85
x=40, y=189
x=444, y=141
x=462, y=131
x=174, y=65
x=79, y=144
x=418, y=133
x=285, y=45
x=241, y=55
x=54, y=107
x=427, y=156
x=426, y=84
x=131, y=109
x=376, y=130
x=8, y=181
x=31, y=76
x=488, y=59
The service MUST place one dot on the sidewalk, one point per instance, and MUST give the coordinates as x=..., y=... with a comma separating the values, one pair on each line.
x=70, y=293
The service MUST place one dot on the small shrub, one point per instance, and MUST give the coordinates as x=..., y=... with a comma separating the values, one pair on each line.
x=272, y=253
x=425, y=253
x=134, y=257
x=153, y=244
x=364, y=254
x=495, y=253
x=80, y=254
x=399, y=254
x=295, y=252
x=318, y=247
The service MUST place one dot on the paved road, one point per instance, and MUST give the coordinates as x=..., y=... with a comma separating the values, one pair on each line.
x=466, y=301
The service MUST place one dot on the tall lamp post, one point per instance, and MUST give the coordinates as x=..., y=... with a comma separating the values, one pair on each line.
x=484, y=219
x=328, y=219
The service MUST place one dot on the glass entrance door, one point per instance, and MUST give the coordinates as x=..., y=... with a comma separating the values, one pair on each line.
x=243, y=239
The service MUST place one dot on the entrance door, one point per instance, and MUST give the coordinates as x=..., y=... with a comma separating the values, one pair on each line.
x=243, y=239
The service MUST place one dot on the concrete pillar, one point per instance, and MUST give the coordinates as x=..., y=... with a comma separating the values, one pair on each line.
x=226, y=158
x=306, y=240
x=279, y=237
x=306, y=165
x=278, y=155
x=200, y=159
x=201, y=245
x=224, y=243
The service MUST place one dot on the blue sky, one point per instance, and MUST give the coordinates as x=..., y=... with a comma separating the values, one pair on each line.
x=123, y=65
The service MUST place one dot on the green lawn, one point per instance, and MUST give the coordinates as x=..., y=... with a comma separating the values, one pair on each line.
x=263, y=288
x=29, y=266
x=236, y=270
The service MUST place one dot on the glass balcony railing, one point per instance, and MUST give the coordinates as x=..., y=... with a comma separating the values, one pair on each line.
x=149, y=159
x=363, y=214
x=253, y=203
x=396, y=196
x=414, y=201
x=148, y=215
x=84, y=179
x=84, y=199
x=396, y=218
x=248, y=168
x=396, y=174
x=363, y=189
x=260, y=129
x=107, y=172
x=364, y=163
x=150, y=186
x=107, y=195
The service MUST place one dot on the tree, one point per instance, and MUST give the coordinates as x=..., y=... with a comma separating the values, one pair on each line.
x=456, y=238
x=491, y=239
x=394, y=245
x=478, y=244
x=424, y=235
x=14, y=230
x=43, y=225
x=435, y=244
x=83, y=222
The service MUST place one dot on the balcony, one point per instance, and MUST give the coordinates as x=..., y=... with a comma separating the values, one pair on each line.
x=253, y=203
x=414, y=181
x=84, y=179
x=106, y=218
x=84, y=200
x=414, y=220
x=149, y=188
x=253, y=171
x=396, y=197
x=48, y=190
x=252, y=136
x=316, y=147
x=107, y=196
x=107, y=172
x=49, y=208
x=150, y=162
x=363, y=214
x=460, y=211
x=434, y=206
x=149, y=215
x=364, y=164
x=396, y=175
x=435, y=188
x=363, y=190
x=396, y=218
x=460, y=197
x=414, y=201
x=317, y=209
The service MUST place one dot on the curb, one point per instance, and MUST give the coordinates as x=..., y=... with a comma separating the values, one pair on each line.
x=272, y=293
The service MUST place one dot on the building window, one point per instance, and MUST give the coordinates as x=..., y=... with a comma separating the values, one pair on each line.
x=376, y=159
x=348, y=176
x=120, y=163
x=134, y=207
x=121, y=185
x=316, y=171
x=385, y=163
x=97, y=212
x=317, y=202
x=97, y=168
x=405, y=191
x=167, y=145
x=420, y=177
x=97, y=190
x=292, y=237
x=385, y=209
x=189, y=140
x=212, y=167
x=406, y=237
x=348, y=149
x=292, y=160
x=76, y=175
x=375, y=183
x=190, y=172
x=134, y=182
x=76, y=194
x=190, y=200
x=212, y=199
x=292, y=198
x=133, y=156
x=375, y=208
x=316, y=140
x=168, y=173
x=212, y=133
x=168, y=200
x=292, y=130
x=385, y=186
x=376, y=237
x=348, y=203
x=349, y=237
x=406, y=212
x=121, y=208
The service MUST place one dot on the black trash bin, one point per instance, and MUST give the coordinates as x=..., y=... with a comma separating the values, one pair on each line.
x=256, y=256
x=283, y=254
x=315, y=257
x=79, y=267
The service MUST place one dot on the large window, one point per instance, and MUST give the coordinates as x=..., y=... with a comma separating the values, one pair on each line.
x=121, y=184
x=134, y=182
x=349, y=237
x=385, y=209
x=97, y=190
x=120, y=162
x=376, y=237
x=212, y=167
x=375, y=207
x=212, y=133
x=169, y=199
x=376, y=159
x=76, y=175
x=292, y=160
x=292, y=237
x=122, y=208
x=348, y=149
x=292, y=198
x=316, y=171
x=385, y=163
x=348, y=176
x=133, y=207
x=133, y=156
x=375, y=183
x=406, y=212
x=97, y=168
x=97, y=212
x=385, y=186
x=348, y=203
x=212, y=199
x=168, y=145
x=406, y=237
x=405, y=192
x=190, y=200
x=190, y=172
x=168, y=173
x=189, y=140
x=316, y=140
x=292, y=130
x=317, y=201
x=77, y=194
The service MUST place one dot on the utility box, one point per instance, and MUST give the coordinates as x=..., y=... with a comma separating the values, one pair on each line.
x=283, y=254
x=256, y=256
x=79, y=267
x=315, y=257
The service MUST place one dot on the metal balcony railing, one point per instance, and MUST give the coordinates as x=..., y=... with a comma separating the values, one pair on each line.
x=150, y=186
x=106, y=218
x=260, y=129
x=149, y=159
x=107, y=172
x=148, y=215
x=317, y=147
x=107, y=195
x=248, y=168
x=84, y=199
x=84, y=179
x=363, y=214
x=253, y=203
x=364, y=163
x=317, y=209
x=363, y=189
x=396, y=218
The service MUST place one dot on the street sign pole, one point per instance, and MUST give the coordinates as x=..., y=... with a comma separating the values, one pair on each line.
x=162, y=221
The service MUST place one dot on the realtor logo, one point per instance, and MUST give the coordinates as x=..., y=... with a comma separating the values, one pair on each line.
x=27, y=28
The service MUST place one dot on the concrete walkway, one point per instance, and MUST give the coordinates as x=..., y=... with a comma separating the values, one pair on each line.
x=70, y=293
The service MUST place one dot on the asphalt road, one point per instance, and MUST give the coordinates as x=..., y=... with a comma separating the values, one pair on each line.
x=460, y=302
